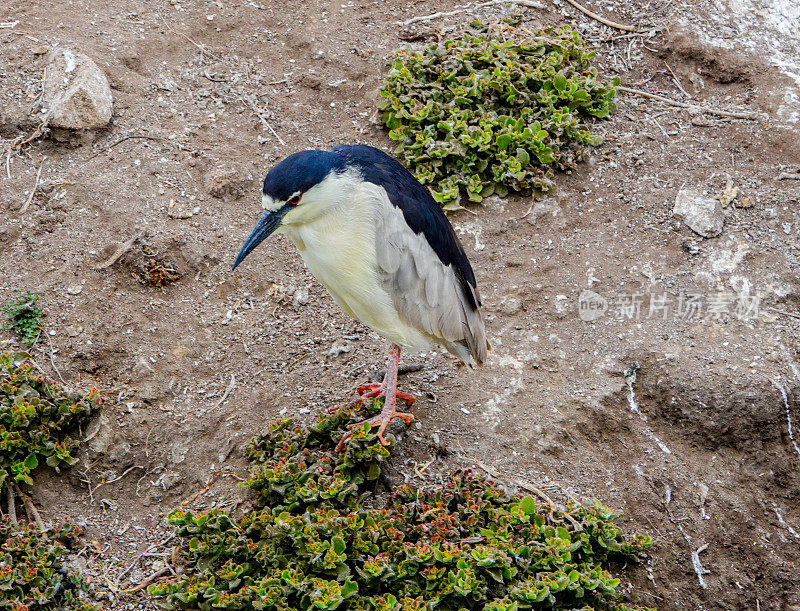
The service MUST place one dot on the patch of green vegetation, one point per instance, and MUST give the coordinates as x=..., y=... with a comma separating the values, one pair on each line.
x=23, y=317
x=488, y=113
x=32, y=575
x=318, y=538
x=36, y=417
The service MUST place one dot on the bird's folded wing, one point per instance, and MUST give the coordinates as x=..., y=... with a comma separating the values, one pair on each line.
x=428, y=295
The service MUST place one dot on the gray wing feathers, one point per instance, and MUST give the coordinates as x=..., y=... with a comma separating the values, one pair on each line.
x=475, y=335
x=427, y=294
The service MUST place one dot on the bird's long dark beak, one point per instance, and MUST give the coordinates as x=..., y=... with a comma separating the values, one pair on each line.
x=266, y=225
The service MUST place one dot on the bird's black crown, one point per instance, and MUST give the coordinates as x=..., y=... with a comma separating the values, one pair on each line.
x=299, y=172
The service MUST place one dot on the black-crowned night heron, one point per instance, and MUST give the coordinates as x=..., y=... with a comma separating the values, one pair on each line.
x=377, y=240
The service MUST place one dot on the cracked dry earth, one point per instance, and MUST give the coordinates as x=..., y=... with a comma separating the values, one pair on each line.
x=578, y=285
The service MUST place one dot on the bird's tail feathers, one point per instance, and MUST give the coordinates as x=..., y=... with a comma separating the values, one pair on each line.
x=474, y=329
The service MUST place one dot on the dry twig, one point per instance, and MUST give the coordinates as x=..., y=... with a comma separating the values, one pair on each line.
x=196, y=44
x=120, y=141
x=753, y=116
x=439, y=15
x=603, y=20
x=33, y=191
x=783, y=176
x=785, y=313
x=698, y=568
x=147, y=581
x=38, y=132
x=52, y=356
x=250, y=103
x=12, y=510
x=31, y=510
x=197, y=495
x=123, y=248
x=116, y=479
x=140, y=556
x=231, y=386
x=677, y=82
x=779, y=385
x=526, y=485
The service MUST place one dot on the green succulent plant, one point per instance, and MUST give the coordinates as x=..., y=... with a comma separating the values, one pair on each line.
x=486, y=114
x=36, y=417
x=317, y=539
x=23, y=317
x=32, y=575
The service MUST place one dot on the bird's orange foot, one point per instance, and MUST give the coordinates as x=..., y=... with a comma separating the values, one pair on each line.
x=382, y=420
x=372, y=391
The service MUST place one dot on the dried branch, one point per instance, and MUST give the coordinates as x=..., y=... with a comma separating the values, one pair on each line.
x=31, y=510
x=123, y=248
x=753, y=116
x=33, y=191
x=603, y=20
x=432, y=16
x=120, y=141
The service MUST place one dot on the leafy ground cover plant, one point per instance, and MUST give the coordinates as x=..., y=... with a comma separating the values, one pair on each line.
x=32, y=575
x=316, y=539
x=494, y=111
x=23, y=317
x=36, y=418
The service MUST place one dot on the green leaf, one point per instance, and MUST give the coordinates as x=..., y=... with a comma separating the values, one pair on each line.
x=560, y=83
x=452, y=206
x=528, y=505
x=574, y=575
x=338, y=545
x=23, y=478
x=392, y=121
x=350, y=588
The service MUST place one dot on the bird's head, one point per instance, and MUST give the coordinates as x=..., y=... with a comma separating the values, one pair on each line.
x=296, y=191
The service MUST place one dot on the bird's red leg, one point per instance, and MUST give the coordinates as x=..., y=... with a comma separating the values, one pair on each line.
x=388, y=389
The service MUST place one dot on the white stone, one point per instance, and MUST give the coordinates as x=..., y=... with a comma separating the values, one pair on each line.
x=76, y=91
x=701, y=213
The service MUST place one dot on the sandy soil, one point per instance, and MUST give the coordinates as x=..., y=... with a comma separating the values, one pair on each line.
x=698, y=451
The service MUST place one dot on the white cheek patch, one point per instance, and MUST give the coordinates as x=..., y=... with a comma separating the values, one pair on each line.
x=270, y=204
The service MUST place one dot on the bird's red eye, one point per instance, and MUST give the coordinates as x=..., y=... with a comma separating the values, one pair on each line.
x=294, y=201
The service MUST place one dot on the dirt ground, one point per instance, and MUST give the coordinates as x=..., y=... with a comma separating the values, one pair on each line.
x=699, y=450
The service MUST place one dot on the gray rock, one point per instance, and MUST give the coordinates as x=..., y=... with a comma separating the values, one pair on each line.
x=339, y=347
x=76, y=564
x=76, y=92
x=170, y=479
x=179, y=450
x=100, y=434
x=545, y=210
x=511, y=305
x=701, y=213
x=300, y=297
x=229, y=183
x=141, y=369
x=117, y=453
